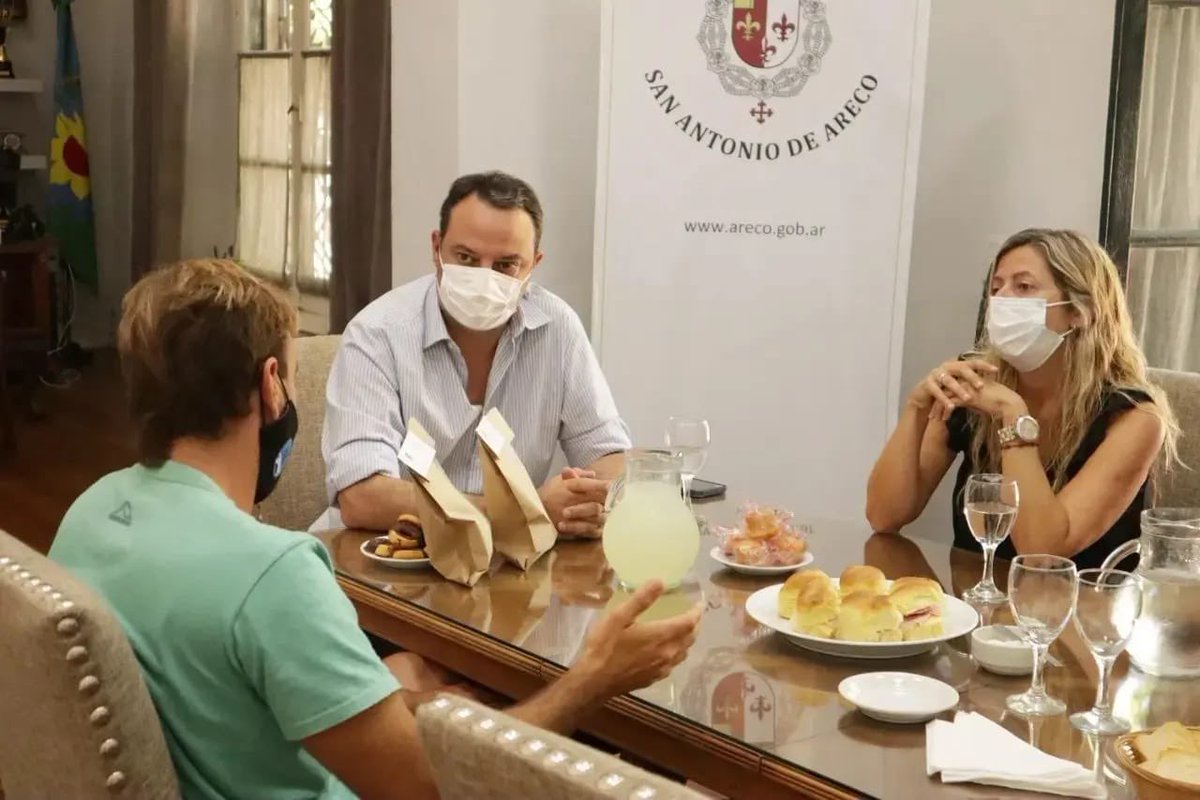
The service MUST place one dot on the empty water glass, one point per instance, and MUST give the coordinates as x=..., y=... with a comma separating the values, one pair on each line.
x=1042, y=591
x=1107, y=606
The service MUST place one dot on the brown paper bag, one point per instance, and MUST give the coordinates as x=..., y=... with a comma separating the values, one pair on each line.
x=521, y=528
x=458, y=537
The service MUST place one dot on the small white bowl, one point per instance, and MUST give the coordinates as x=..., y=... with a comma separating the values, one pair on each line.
x=898, y=696
x=998, y=649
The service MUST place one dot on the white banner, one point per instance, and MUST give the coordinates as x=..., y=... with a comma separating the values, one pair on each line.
x=757, y=166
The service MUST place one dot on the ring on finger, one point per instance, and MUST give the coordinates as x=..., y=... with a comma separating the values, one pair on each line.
x=942, y=377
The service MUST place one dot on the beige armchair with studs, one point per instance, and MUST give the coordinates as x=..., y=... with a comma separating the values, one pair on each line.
x=476, y=751
x=76, y=720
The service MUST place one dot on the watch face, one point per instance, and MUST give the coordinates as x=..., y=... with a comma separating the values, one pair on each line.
x=11, y=141
x=1027, y=429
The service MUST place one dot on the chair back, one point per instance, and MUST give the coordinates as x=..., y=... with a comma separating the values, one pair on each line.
x=478, y=752
x=300, y=496
x=1181, y=487
x=75, y=717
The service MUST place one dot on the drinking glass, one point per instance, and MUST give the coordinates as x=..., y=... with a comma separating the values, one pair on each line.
x=990, y=506
x=1108, y=604
x=1042, y=590
x=689, y=437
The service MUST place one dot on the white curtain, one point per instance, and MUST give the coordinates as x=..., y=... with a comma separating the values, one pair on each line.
x=1164, y=284
x=264, y=139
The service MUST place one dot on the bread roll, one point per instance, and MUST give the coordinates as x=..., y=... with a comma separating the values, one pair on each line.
x=861, y=578
x=816, y=612
x=1167, y=735
x=795, y=582
x=1177, y=765
x=919, y=601
x=867, y=617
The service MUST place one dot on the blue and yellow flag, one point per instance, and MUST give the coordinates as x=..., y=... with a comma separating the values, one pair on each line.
x=69, y=205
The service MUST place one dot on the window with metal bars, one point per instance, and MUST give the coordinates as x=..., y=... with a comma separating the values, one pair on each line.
x=1151, y=213
x=284, y=109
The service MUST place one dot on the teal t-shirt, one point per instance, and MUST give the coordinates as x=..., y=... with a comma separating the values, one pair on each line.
x=245, y=640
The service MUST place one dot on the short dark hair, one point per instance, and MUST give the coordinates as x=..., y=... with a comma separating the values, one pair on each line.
x=193, y=338
x=499, y=190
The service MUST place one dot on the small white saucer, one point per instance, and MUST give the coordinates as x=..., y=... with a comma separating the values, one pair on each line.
x=898, y=696
x=746, y=569
x=367, y=549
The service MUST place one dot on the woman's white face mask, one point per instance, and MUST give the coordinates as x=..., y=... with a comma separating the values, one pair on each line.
x=1016, y=327
x=479, y=298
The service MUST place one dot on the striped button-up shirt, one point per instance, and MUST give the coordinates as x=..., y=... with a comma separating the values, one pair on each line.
x=397, y=361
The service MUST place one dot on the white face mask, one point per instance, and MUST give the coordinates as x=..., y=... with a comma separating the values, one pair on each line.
x=1016, y=327
x=477, y=297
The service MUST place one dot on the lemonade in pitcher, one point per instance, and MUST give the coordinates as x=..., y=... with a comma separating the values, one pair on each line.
x=650, y=533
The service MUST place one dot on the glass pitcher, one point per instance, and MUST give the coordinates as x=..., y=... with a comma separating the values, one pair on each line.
x=650, y=532
x=1166, y=637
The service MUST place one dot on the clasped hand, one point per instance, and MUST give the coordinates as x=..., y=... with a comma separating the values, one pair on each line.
x=575, y=500
x=967, y=384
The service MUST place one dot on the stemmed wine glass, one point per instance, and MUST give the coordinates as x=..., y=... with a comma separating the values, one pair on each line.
x=1042, y=590
x=1108, y=604
x=689, y=437
x=990, y=506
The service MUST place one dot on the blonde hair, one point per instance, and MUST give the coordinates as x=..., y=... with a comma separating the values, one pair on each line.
x=192, y=341
x=1100, y=356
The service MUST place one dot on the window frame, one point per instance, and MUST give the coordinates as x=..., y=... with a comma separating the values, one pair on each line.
x=1121, y=139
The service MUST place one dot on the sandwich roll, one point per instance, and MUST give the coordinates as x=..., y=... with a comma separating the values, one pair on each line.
x=867, y=617
x=791, y=588
x=860, y=578
x=919, y=601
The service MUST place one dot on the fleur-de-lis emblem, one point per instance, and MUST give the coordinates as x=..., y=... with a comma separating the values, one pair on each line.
x=749, y=27
x=761, y=707
x=768, y=50
x=783, y=29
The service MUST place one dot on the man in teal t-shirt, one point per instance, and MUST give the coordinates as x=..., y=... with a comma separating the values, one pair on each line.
x=264, y=684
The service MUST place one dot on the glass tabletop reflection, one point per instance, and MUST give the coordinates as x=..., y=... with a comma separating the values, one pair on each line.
x=747, y=683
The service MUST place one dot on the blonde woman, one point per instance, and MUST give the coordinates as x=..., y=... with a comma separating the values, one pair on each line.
x=1056, y=398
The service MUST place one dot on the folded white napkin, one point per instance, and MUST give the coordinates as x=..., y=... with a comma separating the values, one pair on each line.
x=973, y=748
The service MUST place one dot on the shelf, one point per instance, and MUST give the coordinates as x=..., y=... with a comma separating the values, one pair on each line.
x=33, y=162
x=20, y=85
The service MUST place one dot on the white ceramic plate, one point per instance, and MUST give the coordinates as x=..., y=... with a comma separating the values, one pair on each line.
x=367, y=549
x=958, y=619
x=898, y=696
x=719, y=556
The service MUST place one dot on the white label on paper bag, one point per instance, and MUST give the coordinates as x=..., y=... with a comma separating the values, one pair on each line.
x=494, y=434
x=417, y=454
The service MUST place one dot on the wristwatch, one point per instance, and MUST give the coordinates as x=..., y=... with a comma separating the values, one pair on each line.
x=1022, y=433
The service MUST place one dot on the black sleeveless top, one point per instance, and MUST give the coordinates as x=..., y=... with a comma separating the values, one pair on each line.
x=1127, y=527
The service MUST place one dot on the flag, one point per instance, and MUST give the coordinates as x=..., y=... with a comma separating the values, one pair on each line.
x=69, y=203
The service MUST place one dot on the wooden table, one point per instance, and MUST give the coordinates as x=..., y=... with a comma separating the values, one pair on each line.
x=747, y=714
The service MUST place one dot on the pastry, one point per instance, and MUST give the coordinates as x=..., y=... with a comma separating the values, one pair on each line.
x=860, y=578
x=867, y=617
x=409, y=555
x=792, y=586
x=816, y=611
x=384, y=550
x=919, y=601
x=762, y=524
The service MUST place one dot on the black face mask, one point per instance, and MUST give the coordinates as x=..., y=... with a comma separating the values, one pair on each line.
x=275, y=440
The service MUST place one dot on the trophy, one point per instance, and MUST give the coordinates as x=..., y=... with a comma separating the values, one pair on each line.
x=8, y=13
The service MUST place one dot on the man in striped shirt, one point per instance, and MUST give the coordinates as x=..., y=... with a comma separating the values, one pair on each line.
x=475, y=334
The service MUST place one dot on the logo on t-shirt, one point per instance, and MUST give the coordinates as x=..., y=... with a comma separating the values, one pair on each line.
x=123, y=515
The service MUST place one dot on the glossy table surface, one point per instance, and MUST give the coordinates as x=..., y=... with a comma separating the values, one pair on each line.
x=744, y=689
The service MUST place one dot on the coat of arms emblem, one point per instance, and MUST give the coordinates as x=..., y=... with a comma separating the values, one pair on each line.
x=764, y=49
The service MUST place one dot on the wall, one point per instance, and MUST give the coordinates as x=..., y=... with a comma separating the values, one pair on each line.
x=1013, y=135
x=104, y=32
x=511, y=91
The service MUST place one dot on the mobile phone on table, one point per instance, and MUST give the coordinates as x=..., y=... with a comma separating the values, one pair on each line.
x=706, y=490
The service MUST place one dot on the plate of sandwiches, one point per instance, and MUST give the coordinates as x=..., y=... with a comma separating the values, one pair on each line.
x=402, y=548
x=861, y=614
